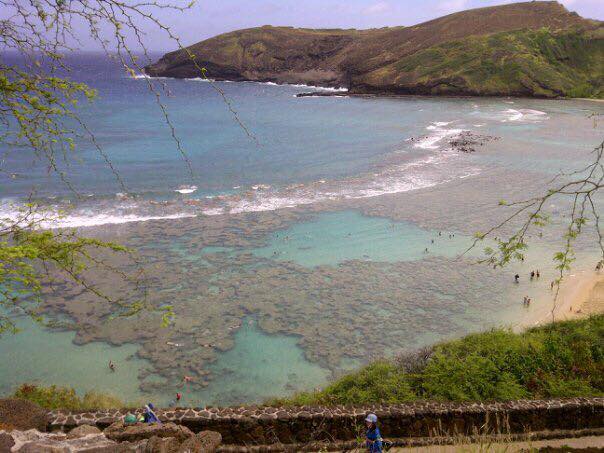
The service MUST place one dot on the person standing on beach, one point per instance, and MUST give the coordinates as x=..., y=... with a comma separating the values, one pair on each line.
x=532, y=275
x=111, y=365
x=516, y=278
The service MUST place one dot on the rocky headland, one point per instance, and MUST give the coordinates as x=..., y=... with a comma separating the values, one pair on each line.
x=536, y=49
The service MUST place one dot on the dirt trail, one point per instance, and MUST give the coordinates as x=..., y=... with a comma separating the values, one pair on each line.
x=588, y=443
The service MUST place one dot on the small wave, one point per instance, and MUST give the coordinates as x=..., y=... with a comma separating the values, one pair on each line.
x=147, y=77
x=50, y=218
x=186, y=189
x=524, y=115
x=438, y=134
x=200, y=79
x=206, y=79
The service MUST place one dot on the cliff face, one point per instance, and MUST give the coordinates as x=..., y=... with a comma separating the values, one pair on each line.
x=530, y=49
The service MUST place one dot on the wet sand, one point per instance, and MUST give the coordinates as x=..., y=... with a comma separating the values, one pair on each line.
x=581, y=295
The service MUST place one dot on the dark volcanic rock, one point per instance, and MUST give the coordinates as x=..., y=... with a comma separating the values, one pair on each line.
x=6, y=442
x=22, y=414
x=467, y=142
x=202, y=442
x=132, y=433
x=163, y=445
x=83, y=430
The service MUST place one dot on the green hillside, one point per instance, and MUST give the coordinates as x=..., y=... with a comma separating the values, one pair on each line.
x=564, y=359
x=541, y=63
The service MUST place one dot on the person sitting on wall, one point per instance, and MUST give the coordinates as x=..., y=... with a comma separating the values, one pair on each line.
x=149, y=416
x=374, y=437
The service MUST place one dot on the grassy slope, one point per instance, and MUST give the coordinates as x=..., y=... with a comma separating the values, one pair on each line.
x=537, y=63
x=54, y=397
x=560, y=360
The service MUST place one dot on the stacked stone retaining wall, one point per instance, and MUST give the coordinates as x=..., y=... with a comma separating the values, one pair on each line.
x=263, y=425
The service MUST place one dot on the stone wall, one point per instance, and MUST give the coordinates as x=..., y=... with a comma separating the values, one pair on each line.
x=255, y=425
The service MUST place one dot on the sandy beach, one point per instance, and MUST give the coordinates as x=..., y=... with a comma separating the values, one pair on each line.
x=581, y=295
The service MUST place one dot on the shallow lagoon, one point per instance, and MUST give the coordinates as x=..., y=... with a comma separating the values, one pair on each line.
x=348, y=235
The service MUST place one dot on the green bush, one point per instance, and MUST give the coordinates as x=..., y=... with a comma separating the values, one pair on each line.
x=564, y=359
x=54, y=397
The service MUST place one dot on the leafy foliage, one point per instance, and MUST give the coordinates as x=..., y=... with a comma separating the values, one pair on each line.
x=38, y=112
x=560, y=360
x=54, y=397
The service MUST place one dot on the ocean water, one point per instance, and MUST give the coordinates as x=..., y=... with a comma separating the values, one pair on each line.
x=347, y=235
x=297, y=253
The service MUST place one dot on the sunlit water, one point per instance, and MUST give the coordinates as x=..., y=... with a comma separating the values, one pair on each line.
x=343, y=249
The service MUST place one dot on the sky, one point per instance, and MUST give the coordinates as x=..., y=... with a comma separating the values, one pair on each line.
x=212, y=17
x=208, y=18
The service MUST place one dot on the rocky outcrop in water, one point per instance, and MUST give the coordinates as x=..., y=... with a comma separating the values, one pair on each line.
x=526, y=49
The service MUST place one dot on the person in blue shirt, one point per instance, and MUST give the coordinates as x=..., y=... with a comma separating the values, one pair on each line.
x=149, y=416
x=374, y=437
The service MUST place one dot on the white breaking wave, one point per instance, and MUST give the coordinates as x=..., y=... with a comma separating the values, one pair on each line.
x=104, y=219
x=206, y=79
x=524, y=115
x=186, y=189
x=439, y=133
x=52, y=219
x=145, y=76
x=420, y=173
x=400, y=172
x=199, y=79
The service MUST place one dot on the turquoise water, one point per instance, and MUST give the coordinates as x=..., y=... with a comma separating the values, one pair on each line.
x=348, y=235
x=259, y=366
x=39, y=355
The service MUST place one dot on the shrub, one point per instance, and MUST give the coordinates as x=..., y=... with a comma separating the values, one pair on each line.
x=54, y=397
x=564, y=359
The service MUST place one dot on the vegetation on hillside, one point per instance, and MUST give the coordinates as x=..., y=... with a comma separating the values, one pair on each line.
x=564, y=359
x=542, y=62
x=54, y=397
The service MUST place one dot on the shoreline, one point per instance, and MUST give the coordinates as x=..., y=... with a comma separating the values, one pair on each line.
x=577, y=299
